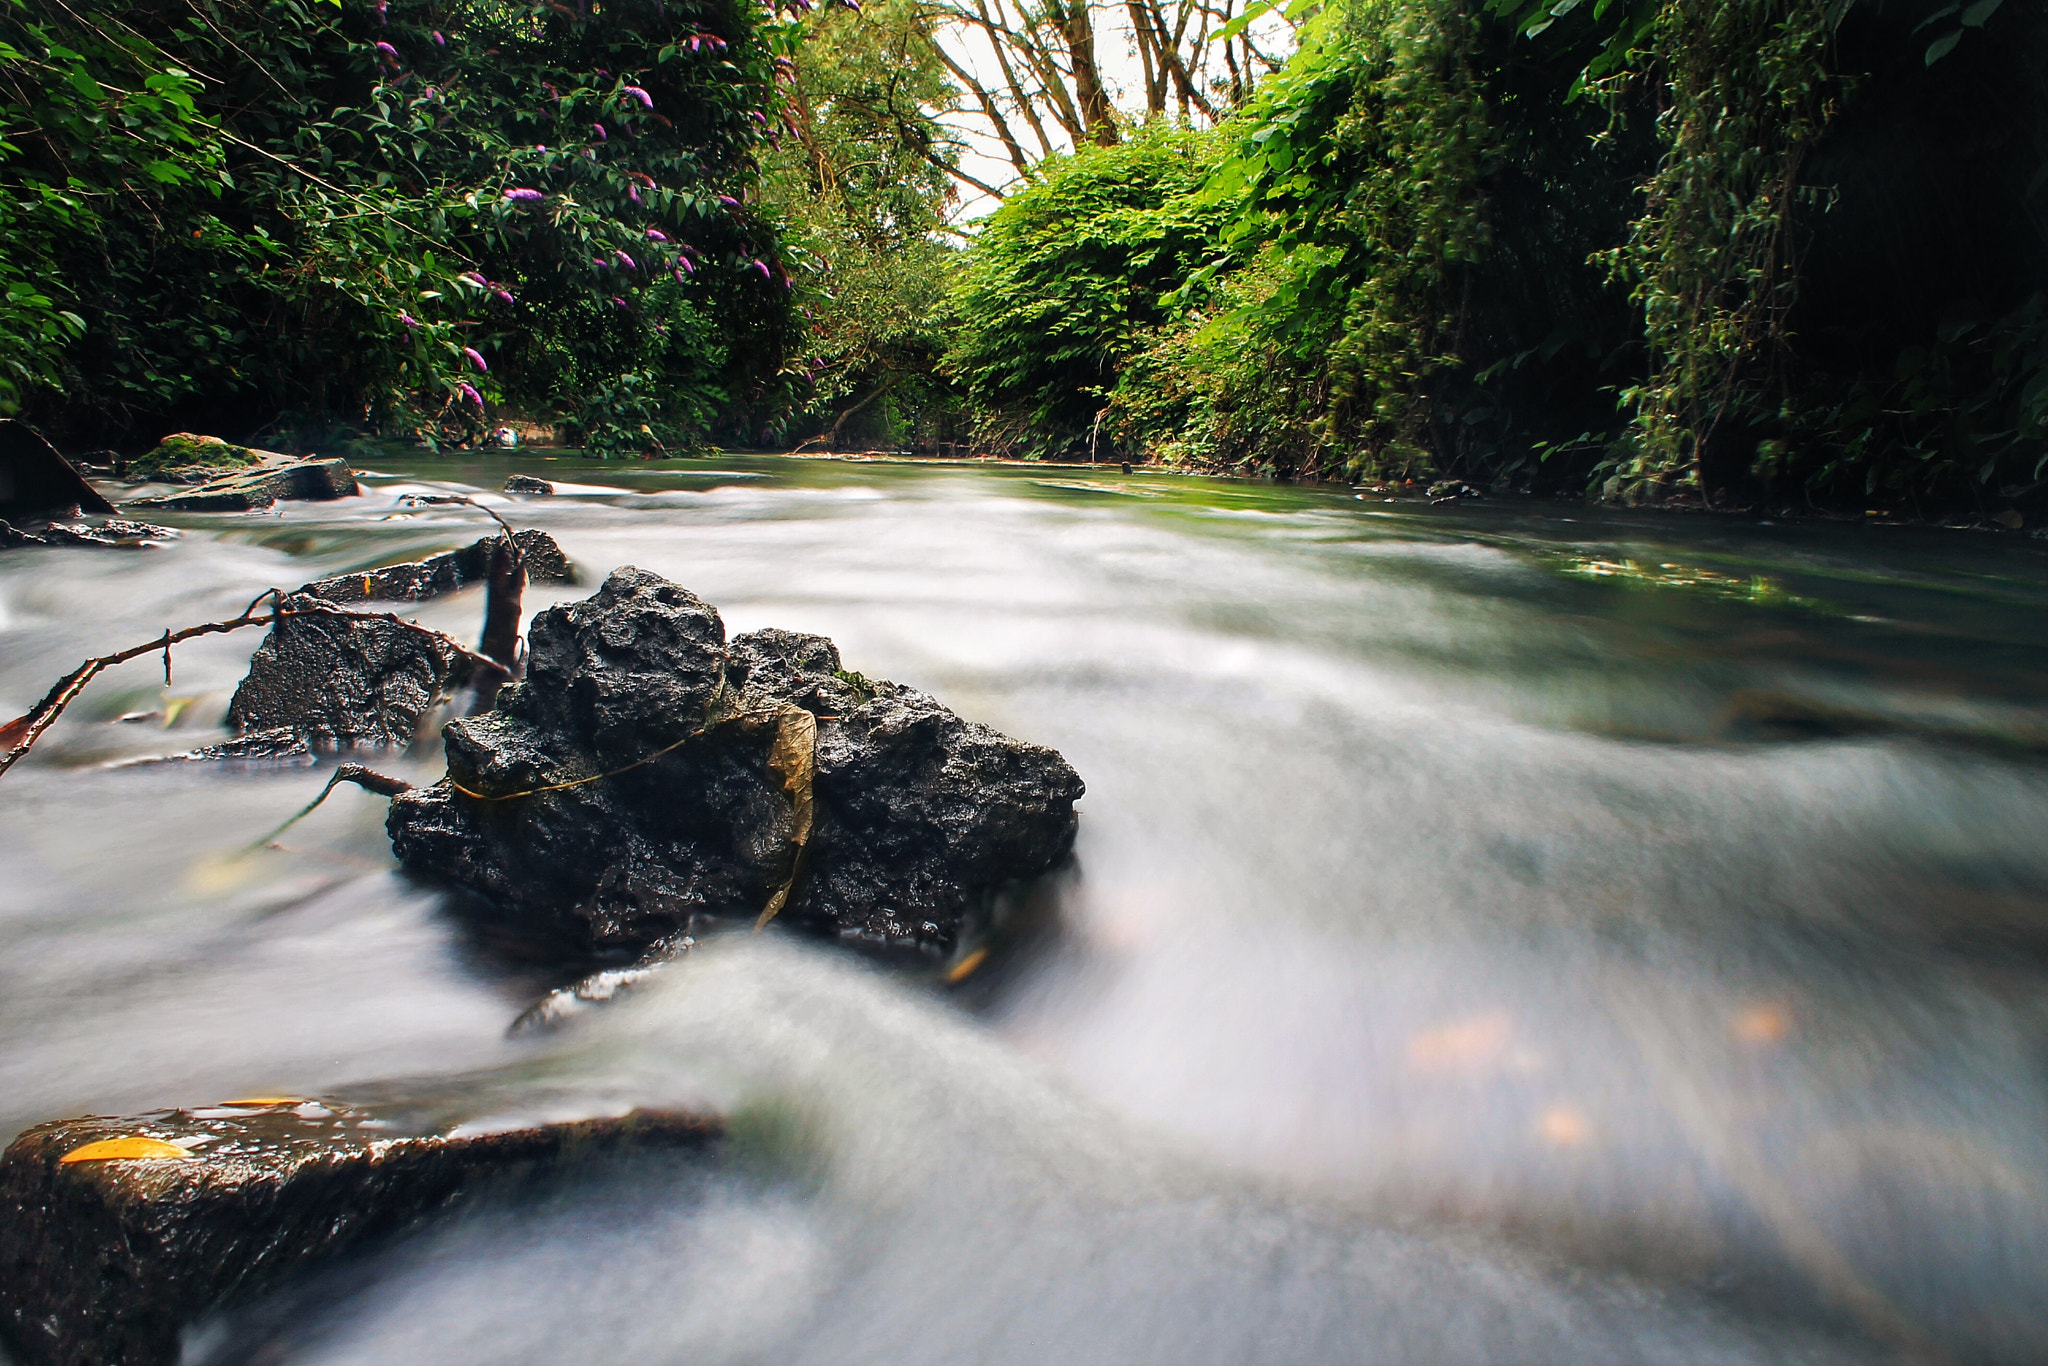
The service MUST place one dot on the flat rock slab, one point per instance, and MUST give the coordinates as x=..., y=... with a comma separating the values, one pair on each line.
x=647, y=773
x=103, y=1261
x=418, y=580
x=35, y=481
x=261, y=487
x=114, y=531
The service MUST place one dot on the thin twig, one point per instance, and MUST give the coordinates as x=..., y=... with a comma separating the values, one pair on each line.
x=18, y=735
x=366, y=778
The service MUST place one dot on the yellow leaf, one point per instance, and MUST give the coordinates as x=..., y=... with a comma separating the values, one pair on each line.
x=127, y=1150
x=963, y=969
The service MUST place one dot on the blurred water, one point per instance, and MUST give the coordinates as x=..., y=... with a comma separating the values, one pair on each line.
x=1496, y=935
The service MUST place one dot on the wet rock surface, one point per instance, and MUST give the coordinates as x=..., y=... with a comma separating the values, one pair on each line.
x=646, y=773
x=106, y=1257
x=261, y=486
x=342, y=682
x=527, y=483
x=113, y=532
x=418, y=580
x=38, y=483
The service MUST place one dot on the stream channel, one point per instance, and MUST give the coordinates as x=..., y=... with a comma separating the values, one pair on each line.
x=1498, y=933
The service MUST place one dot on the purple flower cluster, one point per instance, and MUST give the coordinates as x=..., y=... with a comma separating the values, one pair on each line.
x=469, y=392
x=634, y=92
x=524, y=196
x=476, y=358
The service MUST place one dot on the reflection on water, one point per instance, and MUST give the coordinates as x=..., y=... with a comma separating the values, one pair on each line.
x=1495, y=935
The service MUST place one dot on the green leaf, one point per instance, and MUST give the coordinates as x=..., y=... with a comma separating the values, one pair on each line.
x=1942, y=46
x=1975, y=15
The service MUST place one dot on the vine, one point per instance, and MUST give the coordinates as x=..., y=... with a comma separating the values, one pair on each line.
x=1712, y=260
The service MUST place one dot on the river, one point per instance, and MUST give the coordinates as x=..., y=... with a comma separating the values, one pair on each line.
x=1498, y=933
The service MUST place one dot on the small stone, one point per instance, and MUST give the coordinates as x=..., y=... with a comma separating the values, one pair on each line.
x=527, y=483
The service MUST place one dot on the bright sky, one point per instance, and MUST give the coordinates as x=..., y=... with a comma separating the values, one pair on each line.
x=1117, y=57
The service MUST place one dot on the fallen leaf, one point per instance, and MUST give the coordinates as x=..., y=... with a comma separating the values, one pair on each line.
x=1764, y=1022
x=127, y=1150
x=961, y=970
x=1563, y=1126
x=1467, y=1045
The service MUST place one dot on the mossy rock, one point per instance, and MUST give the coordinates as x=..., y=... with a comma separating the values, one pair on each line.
x=183, y=452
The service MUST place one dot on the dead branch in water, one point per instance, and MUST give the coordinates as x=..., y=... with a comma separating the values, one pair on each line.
x=18, y=735
x=366, y=778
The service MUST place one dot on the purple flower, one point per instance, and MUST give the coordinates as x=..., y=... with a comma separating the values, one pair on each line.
x=617, y=302
x=388, y=51
x=408, y=319
x=598, y=129
x=656, y=235
x=431, y=93
x=683, y=264
x=470, y=277
x=634, y=92
x=728, y=201
x=600, y=263
x=759, y=117
x=695, y=39
x=504, y=294
x=524, y=195
x=630, y=263
x=439, y=41
x=761, y=266
x=469, y=392
x=633, y=193
x=476, y=358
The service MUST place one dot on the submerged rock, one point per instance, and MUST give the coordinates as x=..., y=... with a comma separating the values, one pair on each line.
x=250, y=490
x=36, y=482
x=344, y=682
x=446, y=572
x=647, y=773
x=115, y=1234
x=114, y=531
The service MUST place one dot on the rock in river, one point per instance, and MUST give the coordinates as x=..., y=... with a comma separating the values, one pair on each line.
x=646, y=772
x=337, y=681
x=418, y=580
x=257, y=488
x=115, y=1234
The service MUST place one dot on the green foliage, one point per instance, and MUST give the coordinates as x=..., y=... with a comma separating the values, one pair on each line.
x=859, y=186
x=1069, y=277
x=347, y=212
x=1710, y=261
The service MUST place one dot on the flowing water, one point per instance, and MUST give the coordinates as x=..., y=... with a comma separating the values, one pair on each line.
x=1496, y=934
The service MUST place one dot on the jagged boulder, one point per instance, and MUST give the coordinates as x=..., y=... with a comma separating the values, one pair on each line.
x=116, y=1234
x=646, y=774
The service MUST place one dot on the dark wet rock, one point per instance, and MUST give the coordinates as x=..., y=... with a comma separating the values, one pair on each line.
x=310, y=479
x=279, y=742
x=104, y=1262
x=36, y=482
x=665, y=752
x=446, y=572
x=526, y=483
x=345, y=682
x=1451, y=490
x=114, y=532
